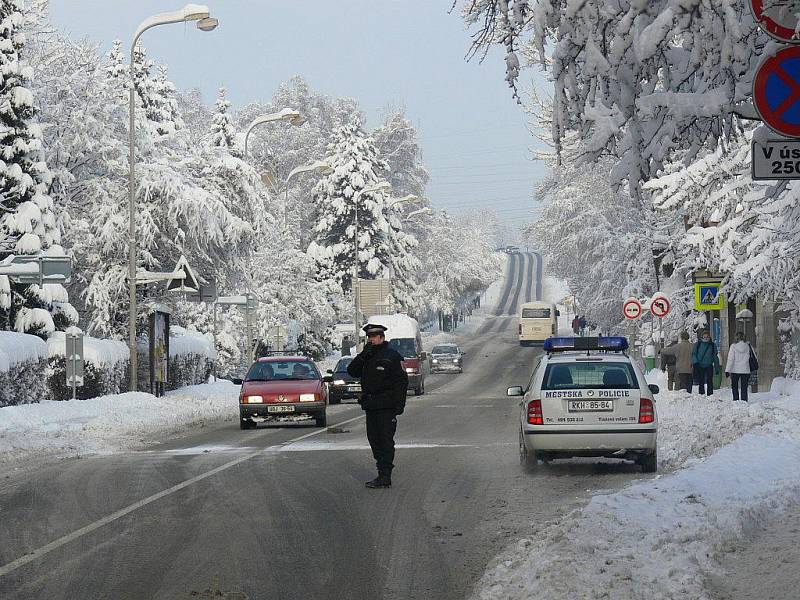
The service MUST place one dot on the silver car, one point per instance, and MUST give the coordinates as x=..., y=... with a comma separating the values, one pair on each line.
x=447, y=358
x=586, y=397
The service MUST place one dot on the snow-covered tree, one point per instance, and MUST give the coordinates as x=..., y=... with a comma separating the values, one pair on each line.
x=223, y=132
x=27, y=221
x=457, y=262
x=165, y=105
x=356, y=166
x=638, y=80
x=397, y=143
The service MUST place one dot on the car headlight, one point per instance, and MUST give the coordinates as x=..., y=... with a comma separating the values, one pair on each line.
x=455, y=361
x=435, y=360
x=308, y=398
x=253, y=399
x=339, y=382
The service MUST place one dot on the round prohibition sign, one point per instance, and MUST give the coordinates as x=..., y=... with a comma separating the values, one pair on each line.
x=779, y=22
x=659, y=306
x=776, y=91
x=632, y=308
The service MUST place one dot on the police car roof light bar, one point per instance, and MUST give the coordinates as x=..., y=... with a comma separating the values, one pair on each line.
x=571, y=344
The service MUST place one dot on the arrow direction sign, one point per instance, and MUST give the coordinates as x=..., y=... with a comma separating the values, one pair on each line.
x=778, y=19
x=776, y=91
x=632, y=308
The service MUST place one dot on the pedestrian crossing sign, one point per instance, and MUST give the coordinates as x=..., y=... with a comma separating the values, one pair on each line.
x=707, y=296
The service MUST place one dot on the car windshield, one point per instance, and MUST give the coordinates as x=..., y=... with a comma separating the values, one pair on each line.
x=341, y=366
x=535, y=313
x=405, y=346
x=586, y=375
x=445, y=350
x=283, y=370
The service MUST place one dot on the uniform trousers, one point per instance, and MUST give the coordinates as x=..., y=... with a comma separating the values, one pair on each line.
x=381, y=425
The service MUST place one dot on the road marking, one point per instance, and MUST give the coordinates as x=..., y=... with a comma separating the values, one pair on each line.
x=319, y=446
x=78, y=533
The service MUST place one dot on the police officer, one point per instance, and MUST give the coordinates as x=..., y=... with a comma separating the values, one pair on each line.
x=383, y=386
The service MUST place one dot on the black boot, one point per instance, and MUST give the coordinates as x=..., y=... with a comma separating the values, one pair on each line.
x=381, y=481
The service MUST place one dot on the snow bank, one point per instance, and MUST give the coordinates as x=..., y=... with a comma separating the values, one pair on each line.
x=16, y=348
x=110, y=423
x=95, y=350
x=658, y=538
x=183, y=341
x=399, y=326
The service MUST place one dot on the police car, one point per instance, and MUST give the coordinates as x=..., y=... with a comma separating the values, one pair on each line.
x=586, y=397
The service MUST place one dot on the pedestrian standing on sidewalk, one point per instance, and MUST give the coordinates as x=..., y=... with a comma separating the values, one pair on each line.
x=706, y=362
x=582, y=323
x=669, y=364
x=682, y=351
x=576, y=325
x=738, y=366
x=383, y=397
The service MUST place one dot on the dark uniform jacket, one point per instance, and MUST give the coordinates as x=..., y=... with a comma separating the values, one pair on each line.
x=383, y=378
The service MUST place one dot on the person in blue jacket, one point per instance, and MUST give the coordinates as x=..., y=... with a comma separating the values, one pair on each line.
x=705, y=362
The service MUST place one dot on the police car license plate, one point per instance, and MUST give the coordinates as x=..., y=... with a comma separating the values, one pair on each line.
x=280, y=409
x=589, y=405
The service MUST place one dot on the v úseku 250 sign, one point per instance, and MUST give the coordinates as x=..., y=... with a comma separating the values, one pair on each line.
x=776, y=159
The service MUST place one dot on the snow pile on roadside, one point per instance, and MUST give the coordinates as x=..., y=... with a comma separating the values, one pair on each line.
x=16, y=348
x=183, y=341
x=657, y=538
x=95, y=350
x=693, y=426
x=110, y=423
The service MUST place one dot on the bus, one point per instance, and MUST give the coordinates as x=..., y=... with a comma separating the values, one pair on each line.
x=537, y=322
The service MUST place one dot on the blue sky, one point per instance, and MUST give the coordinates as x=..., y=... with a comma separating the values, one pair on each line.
x=406, y=53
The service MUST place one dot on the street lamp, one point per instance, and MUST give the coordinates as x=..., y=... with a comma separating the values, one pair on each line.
x=287, y=114
x=421, y=211
x=318, y=166
x=190, y=12
x=409, y=198
x=381, y=186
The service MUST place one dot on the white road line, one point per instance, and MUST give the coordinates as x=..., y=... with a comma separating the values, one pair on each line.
x=78, y=533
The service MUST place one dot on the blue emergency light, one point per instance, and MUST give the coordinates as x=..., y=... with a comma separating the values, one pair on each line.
x=566, y=344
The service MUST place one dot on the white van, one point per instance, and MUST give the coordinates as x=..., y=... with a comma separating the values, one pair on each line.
x=537, y=322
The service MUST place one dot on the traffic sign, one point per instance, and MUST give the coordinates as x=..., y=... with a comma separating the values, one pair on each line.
x=189, y=283
x=707, y=296
x=632, y=308
x=659, y=305
x=775, y=159
x=776, y=91
x=778, y=19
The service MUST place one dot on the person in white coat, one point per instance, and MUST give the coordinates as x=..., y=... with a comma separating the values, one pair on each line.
x=738, y=366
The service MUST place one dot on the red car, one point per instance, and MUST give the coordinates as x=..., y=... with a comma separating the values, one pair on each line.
x=279, y=386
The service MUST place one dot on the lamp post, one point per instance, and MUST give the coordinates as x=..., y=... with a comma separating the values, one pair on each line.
x=318, y=166
x=422, y=211
x=190, y=12
x=287, y=114
x=381, y=186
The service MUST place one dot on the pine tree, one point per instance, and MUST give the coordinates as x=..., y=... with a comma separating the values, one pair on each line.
x=356, y=165
x=223, y=132
x=164, y=110
x=27, y=223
